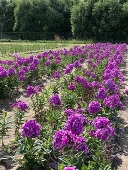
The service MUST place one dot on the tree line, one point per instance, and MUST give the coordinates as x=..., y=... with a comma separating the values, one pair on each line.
x=82, y=18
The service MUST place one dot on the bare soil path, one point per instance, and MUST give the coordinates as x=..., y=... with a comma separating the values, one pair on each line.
x=121, y=159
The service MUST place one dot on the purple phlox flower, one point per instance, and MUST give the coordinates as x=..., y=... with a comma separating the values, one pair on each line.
x=81, y=60
x=71, y=87
x=56, y=74
x=36, y=61
x=80, y=145
x=75, y=123
x=87, y=72
x=65, y=139
x=110, y=85
x=50, y=57
x=31, y=57
x=11, y=71
x=38, y=89
x=22, y=77
x=126, y=91
x=70, y=168
x=21, y=72
x=55, y=100
x=80, y=110
x=103, y=133
x=102, y=93
x=21, y=105
x=93, y=75
x=100, y=122
x=68, y=69
x=94, y=107
x=62, y=139
x=69, y=112
x=47, y=63
x=9, y=62
x=3, y=73
x=77, y=64
x=31, y=129
x=25, y=69
x=32, y=67
x=16, y=65
x=57, y=61
x=113, y=101
x=31, y=91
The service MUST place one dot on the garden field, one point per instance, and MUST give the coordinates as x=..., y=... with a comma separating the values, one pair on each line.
x=59, y=104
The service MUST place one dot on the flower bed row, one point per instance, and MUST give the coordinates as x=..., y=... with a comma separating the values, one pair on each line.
x=75, y=116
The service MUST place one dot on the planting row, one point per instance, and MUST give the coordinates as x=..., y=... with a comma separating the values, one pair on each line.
x=75, y=117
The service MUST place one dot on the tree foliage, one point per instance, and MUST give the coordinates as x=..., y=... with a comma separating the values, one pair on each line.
x=84, y=18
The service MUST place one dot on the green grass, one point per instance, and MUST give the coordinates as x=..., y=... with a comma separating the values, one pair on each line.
x=25, y=48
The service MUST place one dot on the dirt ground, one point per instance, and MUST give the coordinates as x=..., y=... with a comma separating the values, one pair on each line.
x=121, y=159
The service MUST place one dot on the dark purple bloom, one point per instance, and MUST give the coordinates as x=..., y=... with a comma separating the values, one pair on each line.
x=11, y=71
x=38, y=89
x=55, y=100
x=113, y=102
x=56, y=74
x=31, y=90
x=94, y=107
x=70, y=168
x=32, y=67
x=9, y=62
x=22, y=77
x=47, y=63
x=20, y=105
x=77, y=64
x=110, y=85
x=80, y=145
x=65, y=139
x=81, y=60
x=31, y=129
x=25, y=69
x=100, y=122
x=87, y=72
x=36, y=61
x=102, y=93
x=71, y=87
x=62, y=139
x=3, y=73
x=69, y=112
x=103, y=133
x=75, y=123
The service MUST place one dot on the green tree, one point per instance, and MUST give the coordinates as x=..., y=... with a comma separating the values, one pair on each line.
x=124, y=21
x=107, y=19
x=81, y=19
x=8, y=22
x=30, y=16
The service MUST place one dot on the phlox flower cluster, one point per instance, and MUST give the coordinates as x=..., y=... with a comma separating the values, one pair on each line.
x=113, y=102
x=70, y=168
x=31, y=129
x=33, y=90
x=102, y=128
x=102, y=93
x=75, y=123
x=56, y=75
x=81, y=80
x=111, y=86
x=64, y=139
x=71, y=87
x=55, y=100
x=21, y=105
x=94, y=107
